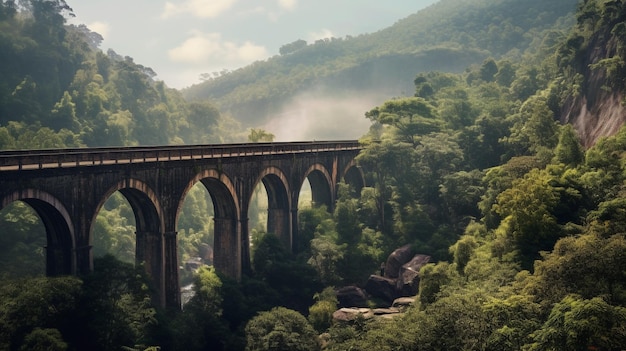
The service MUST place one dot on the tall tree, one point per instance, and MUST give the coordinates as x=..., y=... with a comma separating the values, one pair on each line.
x=280, y=329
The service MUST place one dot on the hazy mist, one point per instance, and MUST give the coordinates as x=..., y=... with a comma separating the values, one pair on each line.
x=320, y=115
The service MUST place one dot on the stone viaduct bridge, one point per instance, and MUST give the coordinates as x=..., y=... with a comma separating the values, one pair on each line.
x=67, y=188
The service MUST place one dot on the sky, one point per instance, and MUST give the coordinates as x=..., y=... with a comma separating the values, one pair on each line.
x=182, y=39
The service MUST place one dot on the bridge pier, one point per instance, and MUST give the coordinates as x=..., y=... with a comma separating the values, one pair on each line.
x=83, y=259
x=295, y=240
x=279, y=224
x=149, y=253
x=58, y=260
x=227, y=247
x=171, y=284
x=246, y=262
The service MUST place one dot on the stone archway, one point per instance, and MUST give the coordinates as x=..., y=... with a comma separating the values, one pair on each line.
x=321, y=186
x=227, y=243
x=353, y=176
x=149, y=240
x=61, y=243
x=279, y=204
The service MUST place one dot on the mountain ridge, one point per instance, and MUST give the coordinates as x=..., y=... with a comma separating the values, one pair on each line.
x=446, y=36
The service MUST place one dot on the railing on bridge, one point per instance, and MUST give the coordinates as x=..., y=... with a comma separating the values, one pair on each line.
x=18, y=160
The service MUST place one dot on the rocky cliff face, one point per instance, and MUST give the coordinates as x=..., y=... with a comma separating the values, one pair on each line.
x=599, y=109
x=596, y=116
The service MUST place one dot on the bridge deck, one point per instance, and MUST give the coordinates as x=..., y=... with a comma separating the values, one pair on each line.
x=18, y=160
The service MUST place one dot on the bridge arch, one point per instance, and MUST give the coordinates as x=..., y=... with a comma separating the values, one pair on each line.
x=227, y=242
x=144, y=202
x=321, y=185
x=278, y=203
x=61, y=242
x=149, y=224
x=145, y=205
x=353, y=176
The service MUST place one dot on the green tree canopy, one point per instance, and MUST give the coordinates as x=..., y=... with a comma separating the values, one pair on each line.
x=280, y=329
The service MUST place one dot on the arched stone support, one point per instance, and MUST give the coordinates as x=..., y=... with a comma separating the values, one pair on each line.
x=67, y=188
x=279, y=224
x=279, y=198
x=172, y=285
x=227, y=247
x=84, y=259
x=321, y=182
x=60, y=249
x=245, y=247
x=149, y=253
x=353, y=175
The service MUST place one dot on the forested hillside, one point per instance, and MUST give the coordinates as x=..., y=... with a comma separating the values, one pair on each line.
x=535, y=221
x=448, y=36
x=524, y=225
x=57, y=88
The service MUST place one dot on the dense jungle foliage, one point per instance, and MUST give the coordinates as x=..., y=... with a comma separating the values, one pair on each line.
x=58, y=89
x=527, y=229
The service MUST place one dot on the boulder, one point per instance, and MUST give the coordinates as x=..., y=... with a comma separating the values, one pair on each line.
x=408, y=281
x=395, y=261
x=383, y=311
x=402, y=303
x=387, y=313
x=350, y=314
x=351, y=296
x=381, y=287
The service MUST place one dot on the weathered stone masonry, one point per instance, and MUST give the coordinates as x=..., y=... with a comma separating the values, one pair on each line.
x=68, y=187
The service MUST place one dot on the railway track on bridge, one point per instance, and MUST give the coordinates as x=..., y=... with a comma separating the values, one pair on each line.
x=23, y=160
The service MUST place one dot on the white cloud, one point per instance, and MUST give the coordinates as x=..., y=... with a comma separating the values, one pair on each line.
x=101, y=28
x=253, y=11
x=197, y=8
x=202, y=48
x=287, y=4
x=323, y=34
x=272, y=13
x=250, y=52
x=315, y=114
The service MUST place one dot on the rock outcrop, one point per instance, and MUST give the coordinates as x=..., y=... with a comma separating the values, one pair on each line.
x=407, y=283
x=400, y=276
x=403, y=303
x=395, y=261
x=396, y=285
x=381, y=287
x=597, y=110
x=351, y=296
x=349, y=315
